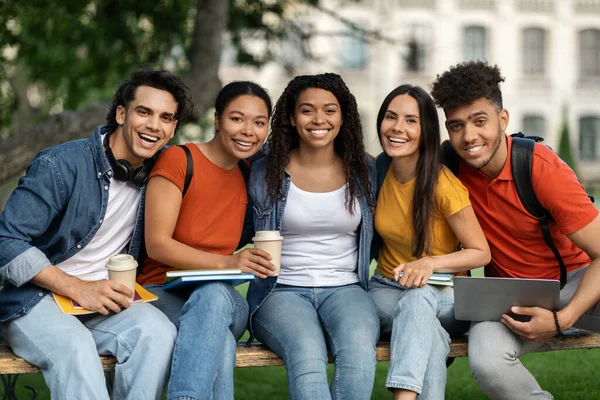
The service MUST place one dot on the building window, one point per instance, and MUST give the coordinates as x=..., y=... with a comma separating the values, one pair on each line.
x=589, y=52
x=415, y=56
x=354, y=50
x=589, y=138
x=474, y=40
x=534, y=51
x=488, y=5
x=534, y=125
x=536, y=6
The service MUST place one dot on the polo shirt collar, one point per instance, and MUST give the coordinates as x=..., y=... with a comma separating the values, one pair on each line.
x=506, y=173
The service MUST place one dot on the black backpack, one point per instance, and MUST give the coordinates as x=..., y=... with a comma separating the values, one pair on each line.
x=521, y=161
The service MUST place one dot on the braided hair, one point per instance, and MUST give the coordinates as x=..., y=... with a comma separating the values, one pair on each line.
x=348, y=144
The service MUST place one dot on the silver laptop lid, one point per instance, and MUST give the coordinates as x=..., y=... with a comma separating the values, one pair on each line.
x=486, y=299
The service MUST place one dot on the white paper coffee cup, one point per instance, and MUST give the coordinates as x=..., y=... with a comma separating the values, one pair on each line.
x=122, y=268
x=270, y=241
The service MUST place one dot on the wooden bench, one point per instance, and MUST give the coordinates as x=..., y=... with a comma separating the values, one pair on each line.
x=257, y=355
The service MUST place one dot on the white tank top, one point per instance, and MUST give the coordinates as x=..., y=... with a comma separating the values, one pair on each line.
x=320, y=246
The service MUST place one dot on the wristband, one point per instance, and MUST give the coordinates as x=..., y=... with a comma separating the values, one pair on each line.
x=560, y=332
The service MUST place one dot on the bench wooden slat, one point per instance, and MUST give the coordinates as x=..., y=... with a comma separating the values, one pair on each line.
x=12, y=364
x=257, y=355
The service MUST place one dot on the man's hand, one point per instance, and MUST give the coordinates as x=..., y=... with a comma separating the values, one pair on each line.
x=415, y=273
x=539, y=328
x=254, y=261
x=103, y=296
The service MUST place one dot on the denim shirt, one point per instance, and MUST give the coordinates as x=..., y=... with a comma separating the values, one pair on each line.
x=54, y=212
x=268, y=217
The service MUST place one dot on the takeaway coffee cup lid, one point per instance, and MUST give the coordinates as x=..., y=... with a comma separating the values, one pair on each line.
x=267, y=235
x=121, y=262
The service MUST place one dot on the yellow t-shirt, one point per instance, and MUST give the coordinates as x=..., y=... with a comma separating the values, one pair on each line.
x=393, y=219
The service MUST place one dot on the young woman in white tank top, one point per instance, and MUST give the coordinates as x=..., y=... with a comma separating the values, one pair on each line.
x=315, y=187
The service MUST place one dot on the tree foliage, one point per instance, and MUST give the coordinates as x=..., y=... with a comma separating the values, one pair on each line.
x=565, y=150
x=80, y=50
x=61, y=56
x=77, y=52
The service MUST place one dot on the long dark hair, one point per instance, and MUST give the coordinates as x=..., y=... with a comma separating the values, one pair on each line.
x=428, y=165
x=348, y=144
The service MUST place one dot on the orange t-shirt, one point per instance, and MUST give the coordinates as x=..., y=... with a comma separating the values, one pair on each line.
x=212, y=211
x=515, y=238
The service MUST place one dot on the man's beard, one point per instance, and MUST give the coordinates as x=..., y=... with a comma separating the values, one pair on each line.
x=478, y=164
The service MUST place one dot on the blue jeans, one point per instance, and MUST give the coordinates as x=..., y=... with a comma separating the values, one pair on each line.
x=300, y=323
x=210, y=322
x=494, y=351
x=66, y=350
x=420, y=320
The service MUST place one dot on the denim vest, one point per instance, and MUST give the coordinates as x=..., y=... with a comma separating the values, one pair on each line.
x=268, y=217
x=54, y=212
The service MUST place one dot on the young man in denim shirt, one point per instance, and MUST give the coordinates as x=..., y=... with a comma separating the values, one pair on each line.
x=78, y=204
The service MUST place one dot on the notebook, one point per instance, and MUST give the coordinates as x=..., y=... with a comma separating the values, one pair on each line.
x=70, y=306
x=188, y=282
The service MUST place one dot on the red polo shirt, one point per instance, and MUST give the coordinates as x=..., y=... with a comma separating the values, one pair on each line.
x=515, y=239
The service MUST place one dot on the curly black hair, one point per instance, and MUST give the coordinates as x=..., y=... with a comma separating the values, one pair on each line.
x=465, y=83
x=158, y=79
x=348, y=144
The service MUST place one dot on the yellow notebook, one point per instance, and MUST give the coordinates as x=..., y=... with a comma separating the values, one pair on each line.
x=69, y=306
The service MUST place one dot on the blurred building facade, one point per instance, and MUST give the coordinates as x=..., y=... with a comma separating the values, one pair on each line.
x=548, y=50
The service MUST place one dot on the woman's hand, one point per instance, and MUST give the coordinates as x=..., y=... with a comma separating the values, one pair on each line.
x=415, y=274
x=254, y=261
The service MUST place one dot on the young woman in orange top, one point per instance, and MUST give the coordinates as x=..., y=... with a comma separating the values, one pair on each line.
x=201, y=230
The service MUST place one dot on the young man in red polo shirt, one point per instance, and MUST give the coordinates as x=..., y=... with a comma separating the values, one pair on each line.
x=470, y=96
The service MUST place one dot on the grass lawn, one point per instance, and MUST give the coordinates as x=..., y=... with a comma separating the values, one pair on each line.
x=566, y=374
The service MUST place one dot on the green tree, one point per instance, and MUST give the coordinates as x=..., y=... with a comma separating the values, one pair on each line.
x=564, y=146
x=71, y=54
x=77, y=51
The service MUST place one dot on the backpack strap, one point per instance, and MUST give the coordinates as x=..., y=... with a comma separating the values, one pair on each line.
x=521, y=163
x=537, y=139
x=244, y=166
x=449, y=157
x=382, y=164
x=189, y=170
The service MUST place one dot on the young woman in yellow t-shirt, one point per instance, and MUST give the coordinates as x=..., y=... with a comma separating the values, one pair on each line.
x=423, y=213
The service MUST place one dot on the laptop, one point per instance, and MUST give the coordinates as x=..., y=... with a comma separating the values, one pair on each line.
x=486, y=299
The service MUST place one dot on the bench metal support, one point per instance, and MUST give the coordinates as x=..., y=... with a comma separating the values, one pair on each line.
x=9, y=382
